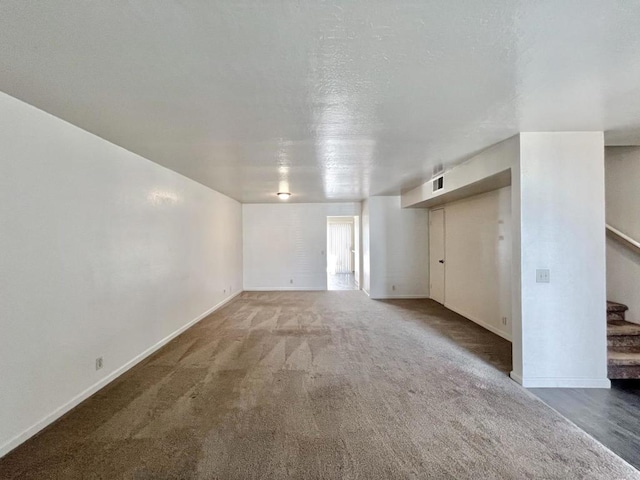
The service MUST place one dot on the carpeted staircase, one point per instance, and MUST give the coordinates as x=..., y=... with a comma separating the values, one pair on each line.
x=623, y=343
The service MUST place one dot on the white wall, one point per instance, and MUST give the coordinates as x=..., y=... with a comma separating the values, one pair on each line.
x=478, y=259
x=557, y=213
x=285, y=244
x=622, y=173
x=398, y=249
x=357, y=250
x=104, y=253
x=366, y=248
x=558, y=192
x=486, y=165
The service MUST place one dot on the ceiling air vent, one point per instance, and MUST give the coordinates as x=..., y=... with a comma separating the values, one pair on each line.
x=438, y=184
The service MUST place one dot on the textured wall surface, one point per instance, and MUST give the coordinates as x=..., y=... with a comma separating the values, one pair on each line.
x=285, y=244
x=622, y=173
x=559, y=194
x=478, y=259
x=398, y=249
x=103, y=254
x=366, y=247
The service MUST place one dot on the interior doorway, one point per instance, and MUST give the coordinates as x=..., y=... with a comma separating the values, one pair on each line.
x=343, y=253
x=436, y=255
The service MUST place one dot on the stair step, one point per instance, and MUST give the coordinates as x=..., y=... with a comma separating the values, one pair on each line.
x=620, y=328
x=616, y=311
x=624, y=343
x=616, y=307
x=623, y=371
x=611, y=316
x=620, y=359
x=622, y=349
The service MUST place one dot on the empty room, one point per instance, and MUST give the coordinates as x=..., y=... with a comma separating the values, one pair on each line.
x=319, y=239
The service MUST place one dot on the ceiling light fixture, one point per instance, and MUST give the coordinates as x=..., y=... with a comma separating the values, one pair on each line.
x=283, y=195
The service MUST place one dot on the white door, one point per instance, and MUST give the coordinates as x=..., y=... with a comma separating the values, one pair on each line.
x=436, y=255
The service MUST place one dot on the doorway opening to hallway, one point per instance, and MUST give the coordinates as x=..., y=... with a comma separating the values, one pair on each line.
x=343, y=253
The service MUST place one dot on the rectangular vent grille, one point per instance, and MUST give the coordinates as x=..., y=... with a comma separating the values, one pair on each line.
x=438, y=184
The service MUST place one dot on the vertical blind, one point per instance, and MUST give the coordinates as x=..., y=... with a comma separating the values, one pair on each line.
x=339, y=246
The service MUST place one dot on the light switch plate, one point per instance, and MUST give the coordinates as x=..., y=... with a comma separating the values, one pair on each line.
x=543, y=276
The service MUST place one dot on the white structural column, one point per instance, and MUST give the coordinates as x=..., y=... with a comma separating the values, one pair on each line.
x=559, y=327
x=395, y=249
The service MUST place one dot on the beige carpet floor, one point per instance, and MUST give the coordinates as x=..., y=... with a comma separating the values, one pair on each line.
x=317, y=385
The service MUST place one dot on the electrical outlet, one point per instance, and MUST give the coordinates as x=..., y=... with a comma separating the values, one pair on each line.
x=291, y=281
x=543, y=276
x=393, y=287
x=504, y=320
x=99, y=363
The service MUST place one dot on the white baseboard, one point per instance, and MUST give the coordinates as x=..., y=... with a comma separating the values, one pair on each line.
x=483, y=324
x=395, y=297
x=283, y=289
x=541, y=382
x=57, y=413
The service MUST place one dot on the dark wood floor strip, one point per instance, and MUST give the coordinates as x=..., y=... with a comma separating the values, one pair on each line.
x=610, y=416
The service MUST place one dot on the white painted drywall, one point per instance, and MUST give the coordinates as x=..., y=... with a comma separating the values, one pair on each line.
x=622, y=173
x=487, y=164
x=357, y=250
x=398, y=249
x=285, y=244
x=478, y=259
x=103, y=253
x=557, y=212
x=559, y=194
x=366, y=248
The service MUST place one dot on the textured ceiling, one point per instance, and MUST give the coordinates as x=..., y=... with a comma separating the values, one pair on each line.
x=334, y=100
